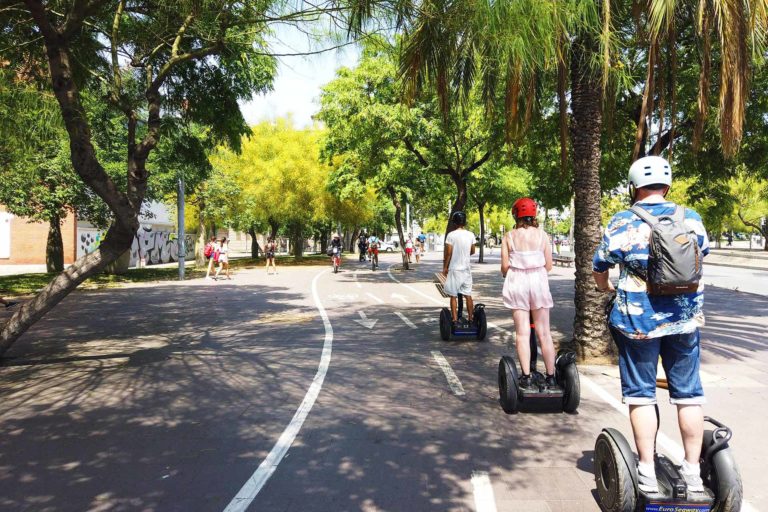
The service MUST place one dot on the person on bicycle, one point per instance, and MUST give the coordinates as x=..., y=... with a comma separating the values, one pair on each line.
x=362, y=245
x=335, y=242
x=646, y=326
x=373, y=245
x=459, y=246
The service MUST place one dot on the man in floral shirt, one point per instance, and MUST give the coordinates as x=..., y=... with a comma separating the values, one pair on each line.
x=646, y=327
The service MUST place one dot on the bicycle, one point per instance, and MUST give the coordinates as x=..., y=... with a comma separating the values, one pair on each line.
x=374, y=250
x=336, y=259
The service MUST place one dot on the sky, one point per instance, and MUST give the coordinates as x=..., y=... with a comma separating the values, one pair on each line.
x=299, y=78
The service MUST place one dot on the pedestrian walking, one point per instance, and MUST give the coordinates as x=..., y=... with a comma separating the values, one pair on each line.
x=222, y=257
x=418, y=247
x=409, y=247
x=269, y=253
x=654, y=316
x=526, y=258
x=209, y=252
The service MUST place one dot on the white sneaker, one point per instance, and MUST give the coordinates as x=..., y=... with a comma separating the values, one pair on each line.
x=692, y=477
x=646, y=479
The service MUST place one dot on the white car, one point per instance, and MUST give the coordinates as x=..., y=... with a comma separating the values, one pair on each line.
x=387, y=247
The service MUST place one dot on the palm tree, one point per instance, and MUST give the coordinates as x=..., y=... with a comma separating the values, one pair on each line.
x=505, y=47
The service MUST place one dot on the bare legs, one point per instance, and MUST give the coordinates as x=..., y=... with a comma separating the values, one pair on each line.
x=470, y=308
x=523, y=338
x=690, y=418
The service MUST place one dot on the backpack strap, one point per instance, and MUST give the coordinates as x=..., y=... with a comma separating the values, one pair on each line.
x=644, y=215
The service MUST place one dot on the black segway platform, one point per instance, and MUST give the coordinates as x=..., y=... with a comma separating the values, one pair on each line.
x=511, y=396
x=477, y=329
x=616, y=477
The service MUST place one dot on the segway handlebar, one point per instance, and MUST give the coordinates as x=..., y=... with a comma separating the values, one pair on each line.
x=720, y=437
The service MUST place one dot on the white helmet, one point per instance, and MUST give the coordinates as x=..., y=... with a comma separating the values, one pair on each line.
x=650, y=170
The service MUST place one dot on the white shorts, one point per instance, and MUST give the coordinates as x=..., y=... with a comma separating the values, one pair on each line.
x=458, y=282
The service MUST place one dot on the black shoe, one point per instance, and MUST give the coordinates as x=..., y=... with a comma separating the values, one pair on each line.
x=10, y=304
x=550, y=381
x=526, y=382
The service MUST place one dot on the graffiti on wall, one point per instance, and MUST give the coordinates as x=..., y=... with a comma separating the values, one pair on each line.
x=150, y=245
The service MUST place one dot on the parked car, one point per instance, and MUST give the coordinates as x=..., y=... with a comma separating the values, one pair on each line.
x=387, y=247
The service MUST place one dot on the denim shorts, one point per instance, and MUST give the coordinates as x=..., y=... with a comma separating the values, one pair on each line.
x=638, y=360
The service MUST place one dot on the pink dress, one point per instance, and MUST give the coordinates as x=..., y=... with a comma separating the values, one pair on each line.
x=526, y=286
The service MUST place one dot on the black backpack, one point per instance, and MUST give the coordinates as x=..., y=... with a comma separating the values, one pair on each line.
x=674, y=255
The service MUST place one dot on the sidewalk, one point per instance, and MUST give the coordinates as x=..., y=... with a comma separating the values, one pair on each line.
x=741, y=258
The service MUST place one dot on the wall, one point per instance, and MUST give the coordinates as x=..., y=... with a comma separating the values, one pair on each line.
x=23, y=242
x=154, y=244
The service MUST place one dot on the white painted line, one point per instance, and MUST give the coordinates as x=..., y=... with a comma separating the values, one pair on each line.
x=255, y=483
x=401, y=297
x=485, y=501
x=375, y=298
x=405, y=319
x=357, y=283
x=368, y=324
x=453, y=380
x=672, y=449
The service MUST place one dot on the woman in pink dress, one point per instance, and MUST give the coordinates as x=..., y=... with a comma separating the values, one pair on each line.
x=526, y=258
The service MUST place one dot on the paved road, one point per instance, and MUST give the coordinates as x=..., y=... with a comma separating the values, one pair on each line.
x=172, y=397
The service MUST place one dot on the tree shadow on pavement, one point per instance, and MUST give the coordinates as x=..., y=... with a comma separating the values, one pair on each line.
x=130, y=399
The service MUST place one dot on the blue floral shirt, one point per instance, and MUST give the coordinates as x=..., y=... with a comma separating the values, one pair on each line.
x=635, y=313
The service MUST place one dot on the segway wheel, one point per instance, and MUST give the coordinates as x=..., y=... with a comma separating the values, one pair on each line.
x=572, y=389
x=722, y=476
x=445, y=324
x=482, y=323
x=615, y=488
x=567, y=376
x=509, y=395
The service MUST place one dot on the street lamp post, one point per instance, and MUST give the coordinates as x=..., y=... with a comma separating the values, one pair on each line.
x=180, y=232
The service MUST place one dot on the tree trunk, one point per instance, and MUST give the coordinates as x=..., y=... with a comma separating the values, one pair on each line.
x=399, y=224
x=591, y=335
x=297, y=239
x=461, y=199
x=481, y=211
x=254, y=243
x=353, y=241
x=86, y=164
x=116, y=242
x=54, y=248
x=273, y=227
x=202, y=238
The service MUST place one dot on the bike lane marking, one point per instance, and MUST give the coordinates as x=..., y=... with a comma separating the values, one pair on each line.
x=405, y=320
x=374, y=297
x=245, y=496
x=357, y=283
x=453, y=380
x=485, y=501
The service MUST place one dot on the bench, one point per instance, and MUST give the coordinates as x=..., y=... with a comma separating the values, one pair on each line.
x=440, y=283
x=563, y=260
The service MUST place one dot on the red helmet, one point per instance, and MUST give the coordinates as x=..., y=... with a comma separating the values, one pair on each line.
x=524, y=207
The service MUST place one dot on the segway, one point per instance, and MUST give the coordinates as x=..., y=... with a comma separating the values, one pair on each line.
x=477, y=328
x=616, y=476
x=568, y=390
